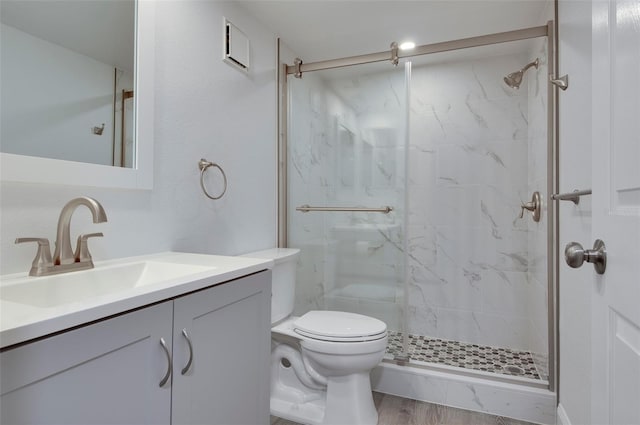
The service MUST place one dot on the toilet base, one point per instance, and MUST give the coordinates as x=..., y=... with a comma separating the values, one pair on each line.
x=310, y=413
x=350, y=401
x=347, y=400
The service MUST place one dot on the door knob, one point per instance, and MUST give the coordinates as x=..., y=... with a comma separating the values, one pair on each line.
x=575, y=255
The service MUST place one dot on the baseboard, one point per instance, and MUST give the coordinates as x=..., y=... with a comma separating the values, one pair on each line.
x=563, y=418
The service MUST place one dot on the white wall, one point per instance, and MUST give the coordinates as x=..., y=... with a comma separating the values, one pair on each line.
x=574, y=19
x=204, y=108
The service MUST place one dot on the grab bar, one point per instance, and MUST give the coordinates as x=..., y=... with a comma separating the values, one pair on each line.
x=307, y=208
x=571, y=196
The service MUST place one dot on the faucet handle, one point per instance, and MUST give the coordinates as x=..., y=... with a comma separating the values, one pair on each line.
x=82, y=253
x=43, y=256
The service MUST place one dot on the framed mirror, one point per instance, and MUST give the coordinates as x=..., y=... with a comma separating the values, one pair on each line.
x=77, y=110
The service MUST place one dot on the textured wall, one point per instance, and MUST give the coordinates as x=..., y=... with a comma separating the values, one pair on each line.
x=204, y=108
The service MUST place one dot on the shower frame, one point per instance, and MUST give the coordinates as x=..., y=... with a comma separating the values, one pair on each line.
x=550, y=30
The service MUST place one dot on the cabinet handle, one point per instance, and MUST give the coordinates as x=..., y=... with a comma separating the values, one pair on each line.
x=169, y=363
x=188, y=366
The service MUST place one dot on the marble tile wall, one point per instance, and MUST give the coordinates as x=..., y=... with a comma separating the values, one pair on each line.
x=468, y=174
x=469, y=168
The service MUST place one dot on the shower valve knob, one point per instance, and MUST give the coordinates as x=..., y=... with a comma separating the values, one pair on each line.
x=535, y=206
x=575, y=255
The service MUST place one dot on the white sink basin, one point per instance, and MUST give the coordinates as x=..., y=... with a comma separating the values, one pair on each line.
x=56, y=290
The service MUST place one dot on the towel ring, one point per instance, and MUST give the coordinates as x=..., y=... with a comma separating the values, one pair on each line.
x=203, y=164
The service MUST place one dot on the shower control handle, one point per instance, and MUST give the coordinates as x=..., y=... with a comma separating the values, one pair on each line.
x=535, y=206
x=575, y=255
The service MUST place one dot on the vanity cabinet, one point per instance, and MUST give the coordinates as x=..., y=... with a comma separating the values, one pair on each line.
x=109, y=371
x=230, y=331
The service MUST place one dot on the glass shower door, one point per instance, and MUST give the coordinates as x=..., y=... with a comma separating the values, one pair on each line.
x=347, y=146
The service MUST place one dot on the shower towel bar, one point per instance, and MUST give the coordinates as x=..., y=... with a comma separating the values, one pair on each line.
x=307, y=208
x=571, y=196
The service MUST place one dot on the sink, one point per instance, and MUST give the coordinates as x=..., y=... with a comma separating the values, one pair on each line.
x=52, y=291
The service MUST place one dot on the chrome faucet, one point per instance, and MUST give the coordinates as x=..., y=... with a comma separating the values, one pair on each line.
x=64, y=259
x=63, y=253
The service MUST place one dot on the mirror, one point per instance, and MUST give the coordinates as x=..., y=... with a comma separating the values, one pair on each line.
x=77, y=92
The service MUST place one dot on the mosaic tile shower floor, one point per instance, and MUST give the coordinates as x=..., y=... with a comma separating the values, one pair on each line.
x=465, y=355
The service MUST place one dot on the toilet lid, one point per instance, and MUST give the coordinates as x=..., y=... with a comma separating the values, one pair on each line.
x=339, y=326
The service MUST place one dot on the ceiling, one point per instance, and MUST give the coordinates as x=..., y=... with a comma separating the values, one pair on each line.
x=327, y=29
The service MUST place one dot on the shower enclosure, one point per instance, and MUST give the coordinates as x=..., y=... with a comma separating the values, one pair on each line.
x=408, y=190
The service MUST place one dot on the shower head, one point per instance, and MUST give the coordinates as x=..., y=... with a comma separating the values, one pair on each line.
x=514, y=79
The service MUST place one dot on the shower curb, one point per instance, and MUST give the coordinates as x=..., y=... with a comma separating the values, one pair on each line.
x=517, y=401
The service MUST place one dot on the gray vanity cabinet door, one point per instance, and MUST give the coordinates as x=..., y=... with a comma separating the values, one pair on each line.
x=229, y=328
x=104, y=373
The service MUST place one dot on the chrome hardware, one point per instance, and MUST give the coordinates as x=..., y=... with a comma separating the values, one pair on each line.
x=98, y=130
x=63, y=253
x=572, y=196
x=394, y=53
x=64, y=259
x=297, y=62
x=562, y=83
x=307, y=208
x=82, y=253
x=402, y=359
x=575, y=255
x=203, y=164
x=188, y=365
x=514, y=79
x=535, y=206
x=42, y=261
x=169, y=363
x=427, y=49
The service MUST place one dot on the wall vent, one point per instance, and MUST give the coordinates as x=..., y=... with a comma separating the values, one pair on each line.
x=236, y=47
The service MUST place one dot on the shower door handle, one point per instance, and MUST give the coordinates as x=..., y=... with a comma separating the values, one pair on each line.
x=575, y=255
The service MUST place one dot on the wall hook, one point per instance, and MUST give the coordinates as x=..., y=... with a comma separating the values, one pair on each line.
x=98, y=130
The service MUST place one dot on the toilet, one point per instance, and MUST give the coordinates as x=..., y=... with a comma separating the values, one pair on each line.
x=320, y=361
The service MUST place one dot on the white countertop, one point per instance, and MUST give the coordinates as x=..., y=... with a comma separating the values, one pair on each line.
x=21, y=322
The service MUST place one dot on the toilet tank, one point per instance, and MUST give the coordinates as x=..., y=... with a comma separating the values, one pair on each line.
x=283, y=281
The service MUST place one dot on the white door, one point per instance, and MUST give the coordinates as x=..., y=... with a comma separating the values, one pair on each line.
x=616, y=211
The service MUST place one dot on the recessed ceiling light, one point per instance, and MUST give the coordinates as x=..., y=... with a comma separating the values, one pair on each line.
x=407, y=45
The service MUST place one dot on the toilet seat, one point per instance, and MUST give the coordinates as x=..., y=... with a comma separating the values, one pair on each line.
x=339, y=326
